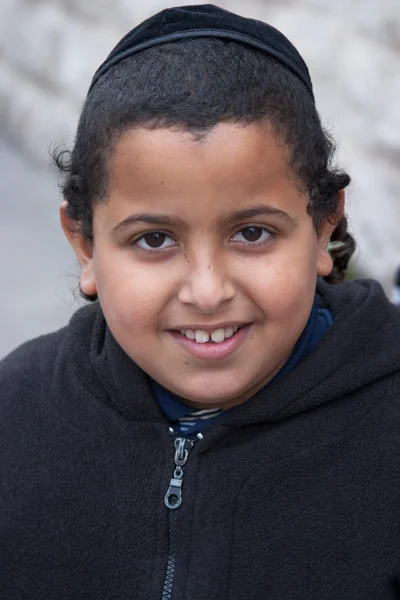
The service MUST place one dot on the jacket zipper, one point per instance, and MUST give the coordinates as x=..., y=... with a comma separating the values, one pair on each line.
x=173, y=500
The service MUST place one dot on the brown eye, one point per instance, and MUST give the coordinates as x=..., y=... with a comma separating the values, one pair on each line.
x=252, y=234
x=154, y=240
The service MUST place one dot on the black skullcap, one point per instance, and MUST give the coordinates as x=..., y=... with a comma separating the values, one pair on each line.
x=206, y=20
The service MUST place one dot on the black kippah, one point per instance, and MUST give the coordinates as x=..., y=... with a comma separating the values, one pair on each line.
x=206, y=20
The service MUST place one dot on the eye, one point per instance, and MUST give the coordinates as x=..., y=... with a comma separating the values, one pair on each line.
x=155, y=240
x=252, y=234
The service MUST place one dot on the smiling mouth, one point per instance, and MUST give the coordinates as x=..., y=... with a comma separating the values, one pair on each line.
x=215, y=337
x=203, y=345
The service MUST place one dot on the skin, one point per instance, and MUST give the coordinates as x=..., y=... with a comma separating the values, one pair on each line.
x=207, y=272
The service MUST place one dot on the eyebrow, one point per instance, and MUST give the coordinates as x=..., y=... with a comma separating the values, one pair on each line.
x=172, y=221
x=151, y=219
x=257, y=211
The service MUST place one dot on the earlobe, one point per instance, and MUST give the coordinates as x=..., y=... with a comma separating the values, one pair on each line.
x=87, y=279
x=325, y=262
x=83, y=250
x=325, y=231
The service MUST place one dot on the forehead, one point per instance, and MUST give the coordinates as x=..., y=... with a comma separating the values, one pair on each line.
x=230, y=166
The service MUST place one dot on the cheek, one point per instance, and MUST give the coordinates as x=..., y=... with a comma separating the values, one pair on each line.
x=285, y=285
x=132, y=295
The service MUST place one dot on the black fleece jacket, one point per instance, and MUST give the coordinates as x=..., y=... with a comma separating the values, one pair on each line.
x=295, y=496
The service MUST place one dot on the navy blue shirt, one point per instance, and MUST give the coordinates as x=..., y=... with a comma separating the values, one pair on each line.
x=187, y=421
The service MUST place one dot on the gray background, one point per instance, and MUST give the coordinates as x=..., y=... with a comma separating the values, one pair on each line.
x=37, y=266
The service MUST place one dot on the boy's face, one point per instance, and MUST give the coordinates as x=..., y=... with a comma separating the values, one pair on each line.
x=200, y=236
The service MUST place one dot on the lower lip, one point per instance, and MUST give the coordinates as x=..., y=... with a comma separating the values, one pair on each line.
x=211, y=350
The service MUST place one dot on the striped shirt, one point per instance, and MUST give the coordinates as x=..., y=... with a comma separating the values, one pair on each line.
x=184, y=419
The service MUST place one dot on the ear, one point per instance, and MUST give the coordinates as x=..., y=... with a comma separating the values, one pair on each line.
x=83, y=249
x=325, y=230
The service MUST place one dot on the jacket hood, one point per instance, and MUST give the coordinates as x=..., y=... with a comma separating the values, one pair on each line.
x=361, y=347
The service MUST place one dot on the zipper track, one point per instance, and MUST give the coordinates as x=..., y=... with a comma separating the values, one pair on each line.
x=170, y=572
x=173, y=500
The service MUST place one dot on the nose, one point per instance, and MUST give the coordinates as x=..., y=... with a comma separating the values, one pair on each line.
x=206, y=287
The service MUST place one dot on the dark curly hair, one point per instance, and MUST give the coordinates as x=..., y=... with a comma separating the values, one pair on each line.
x=193, y=85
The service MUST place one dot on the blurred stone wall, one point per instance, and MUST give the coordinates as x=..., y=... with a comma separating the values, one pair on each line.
x=49, y=50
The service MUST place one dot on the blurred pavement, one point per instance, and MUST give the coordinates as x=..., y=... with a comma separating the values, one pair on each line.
x=37, y=268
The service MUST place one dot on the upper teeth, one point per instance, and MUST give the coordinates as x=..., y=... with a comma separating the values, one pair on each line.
x=217, y=336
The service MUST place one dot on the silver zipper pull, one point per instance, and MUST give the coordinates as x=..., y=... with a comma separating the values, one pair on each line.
x=173, y=497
